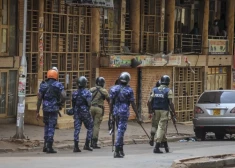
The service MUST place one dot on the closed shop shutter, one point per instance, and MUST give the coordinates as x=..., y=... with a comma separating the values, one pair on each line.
x=110, y=75
x=150, y=76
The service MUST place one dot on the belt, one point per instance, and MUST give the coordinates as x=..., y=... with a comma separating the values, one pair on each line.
x=96, y=105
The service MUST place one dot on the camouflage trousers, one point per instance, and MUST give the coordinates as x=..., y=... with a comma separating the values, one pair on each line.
x=50, y=121
x=121, y=129
x=87, y=120
x=159, y=124
x=97, y=115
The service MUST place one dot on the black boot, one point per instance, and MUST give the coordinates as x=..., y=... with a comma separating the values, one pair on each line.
x=87, y=146
x=76, y=148
x=166, y=147
x=45, y=147
x=94, y=144
x=121, y=151
x=117, y=152
x=151, y=142
x=49, y=148
x=157, y=148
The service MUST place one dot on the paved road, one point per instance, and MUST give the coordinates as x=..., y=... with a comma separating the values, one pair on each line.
x=137, y=156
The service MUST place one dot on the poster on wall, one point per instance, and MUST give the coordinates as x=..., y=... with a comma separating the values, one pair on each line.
x=233, y=71
x=218, y=47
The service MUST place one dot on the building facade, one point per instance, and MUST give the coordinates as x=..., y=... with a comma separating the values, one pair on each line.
x=89, y=41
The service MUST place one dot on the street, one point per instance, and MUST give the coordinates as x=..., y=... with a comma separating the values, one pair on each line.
x=137, y=156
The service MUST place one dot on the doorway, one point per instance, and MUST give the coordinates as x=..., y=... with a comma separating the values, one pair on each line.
x=8, y=93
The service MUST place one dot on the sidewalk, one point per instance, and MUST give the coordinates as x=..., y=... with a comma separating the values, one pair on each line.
x=64, y=138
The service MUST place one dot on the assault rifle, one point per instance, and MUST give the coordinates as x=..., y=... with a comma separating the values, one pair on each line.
x=173, y=118
x=112, y=129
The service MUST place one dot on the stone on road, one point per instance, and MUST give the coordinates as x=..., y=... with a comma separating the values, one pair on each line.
x=137, y=156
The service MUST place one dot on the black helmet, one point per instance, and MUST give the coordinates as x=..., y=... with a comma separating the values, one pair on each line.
x=82, y=81
x=124, y=78
x=165, y=80
x=100, y=81
x=158, y=83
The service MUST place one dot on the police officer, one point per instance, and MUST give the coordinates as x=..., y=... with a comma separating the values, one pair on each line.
x=99, y=94
x=81, y=102
x=154, y=125
x=121, y=96
x=161, y=100
x=52, y=93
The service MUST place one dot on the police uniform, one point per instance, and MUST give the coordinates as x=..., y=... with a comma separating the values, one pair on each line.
x=50, y=92
x=97, y=110
x=123, y=95
x=160, y=105
x=82, y=114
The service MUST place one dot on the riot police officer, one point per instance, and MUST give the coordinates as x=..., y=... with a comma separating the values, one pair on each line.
x=81, y=102
x=154, y=125
x=99, y=94
x=161, y=100
x=121, y=96
x=52, y=93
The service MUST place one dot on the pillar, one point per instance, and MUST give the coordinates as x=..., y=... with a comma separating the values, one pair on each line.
x=95, y=43
x=40, y=40
x=170, y=23
x=122, y=23
x=135, y=25
x=205, y=27
x=230, y=24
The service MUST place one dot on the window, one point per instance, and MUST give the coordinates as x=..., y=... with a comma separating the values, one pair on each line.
x=217, y=97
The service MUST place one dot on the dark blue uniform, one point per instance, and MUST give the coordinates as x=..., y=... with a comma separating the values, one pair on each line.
x=50, y=92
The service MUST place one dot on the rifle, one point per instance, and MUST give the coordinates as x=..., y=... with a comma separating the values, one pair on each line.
x=173, y=118
x=112, y=130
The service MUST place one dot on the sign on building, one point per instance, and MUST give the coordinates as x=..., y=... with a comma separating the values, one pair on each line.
x=218, y=47
x=91, y=3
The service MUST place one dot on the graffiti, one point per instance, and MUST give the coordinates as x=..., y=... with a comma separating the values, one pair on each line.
x=125, y=61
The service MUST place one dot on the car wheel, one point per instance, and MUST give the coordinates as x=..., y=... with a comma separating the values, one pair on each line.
x=219, y=136
x=201, y=134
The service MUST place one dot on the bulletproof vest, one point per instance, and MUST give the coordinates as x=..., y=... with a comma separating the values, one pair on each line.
x=52, y=91
x=160, y=99
x=80, y=100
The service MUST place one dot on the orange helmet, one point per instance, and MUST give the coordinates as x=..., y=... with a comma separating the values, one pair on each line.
x=52, y=74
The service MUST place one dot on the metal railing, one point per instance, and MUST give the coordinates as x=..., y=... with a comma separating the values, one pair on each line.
x=112, y=42
x=154, y=42
x=187, y=43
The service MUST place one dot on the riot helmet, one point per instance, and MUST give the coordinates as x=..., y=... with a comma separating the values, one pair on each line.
x=165, y=80
x=82, y=81
x=100, y=81
x=52, y=74
x=55, y=68
x=124, y=78
x=158, y=83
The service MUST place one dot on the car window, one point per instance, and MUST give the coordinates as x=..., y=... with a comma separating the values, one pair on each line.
x=217, y=97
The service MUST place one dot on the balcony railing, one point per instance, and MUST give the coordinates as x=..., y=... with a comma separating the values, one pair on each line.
x=112, y=42
x=186, y=43
x=154, y=42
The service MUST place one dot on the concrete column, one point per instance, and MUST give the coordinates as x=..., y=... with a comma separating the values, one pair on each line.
x=95, y=30
x=230, y=24
x=95, y=43
x=135, y=25
x=205, y=27
x=40, y=40
x=170, y=23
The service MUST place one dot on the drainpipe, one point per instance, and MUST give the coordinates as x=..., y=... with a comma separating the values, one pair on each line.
x=22, y=84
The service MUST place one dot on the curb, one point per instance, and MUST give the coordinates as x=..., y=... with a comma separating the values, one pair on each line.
x=218, y=161
x=102, y=143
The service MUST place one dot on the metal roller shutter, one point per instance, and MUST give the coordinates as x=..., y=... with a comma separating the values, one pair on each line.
x=110, y=75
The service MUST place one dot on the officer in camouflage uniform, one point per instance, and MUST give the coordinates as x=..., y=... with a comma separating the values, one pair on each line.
x=154, y=125
x=121, y=96
x=81, y=102
x=99, y=94
x=52, y=93
x=161, y=99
